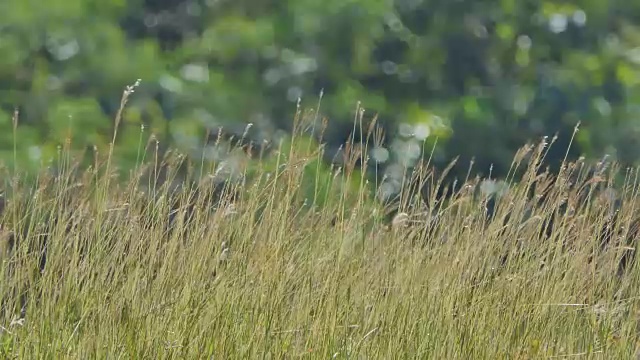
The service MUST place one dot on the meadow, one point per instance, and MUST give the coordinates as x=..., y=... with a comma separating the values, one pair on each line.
x=137, y=268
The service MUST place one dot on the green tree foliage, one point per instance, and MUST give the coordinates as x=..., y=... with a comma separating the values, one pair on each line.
x=472, y=78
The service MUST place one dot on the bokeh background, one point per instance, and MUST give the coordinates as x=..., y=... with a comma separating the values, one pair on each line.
x=469, y=78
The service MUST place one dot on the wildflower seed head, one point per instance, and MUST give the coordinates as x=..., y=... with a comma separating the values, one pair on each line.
x=400, y=220
x=224, y=255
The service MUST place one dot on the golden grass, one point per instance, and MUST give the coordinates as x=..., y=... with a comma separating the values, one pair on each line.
x=268, y=277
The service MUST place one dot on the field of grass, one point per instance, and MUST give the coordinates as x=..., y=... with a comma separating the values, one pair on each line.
x=268, y=275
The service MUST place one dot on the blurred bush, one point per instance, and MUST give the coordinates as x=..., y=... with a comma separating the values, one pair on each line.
x=471, y=78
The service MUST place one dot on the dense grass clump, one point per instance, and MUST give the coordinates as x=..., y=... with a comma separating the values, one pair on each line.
x=157, y=271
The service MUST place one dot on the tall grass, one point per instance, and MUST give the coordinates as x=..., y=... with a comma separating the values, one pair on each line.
x=263, y=275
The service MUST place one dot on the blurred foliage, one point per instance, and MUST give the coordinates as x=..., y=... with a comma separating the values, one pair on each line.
x=471, y=78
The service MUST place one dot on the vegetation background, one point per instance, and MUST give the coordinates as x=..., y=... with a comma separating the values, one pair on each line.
x=468, y=78
x=93, y=267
